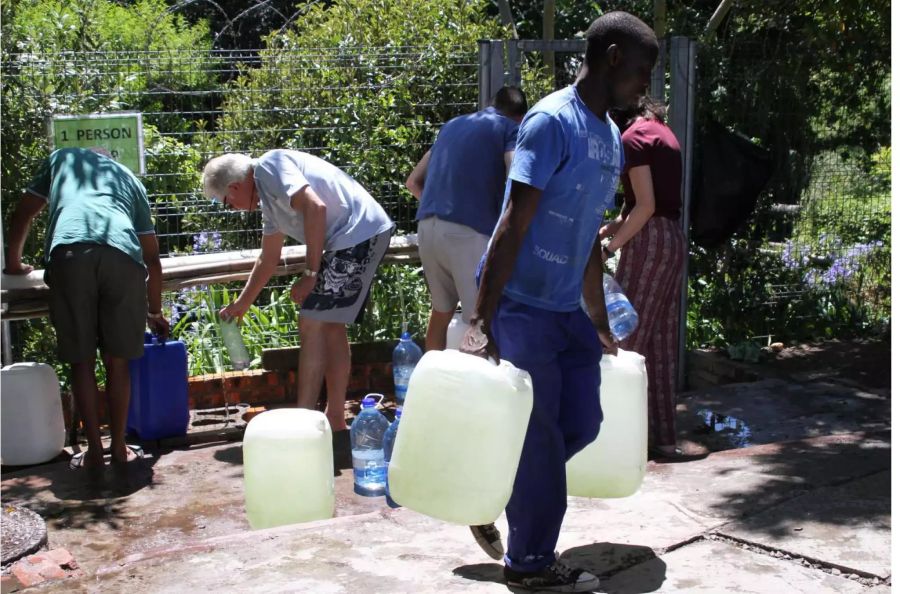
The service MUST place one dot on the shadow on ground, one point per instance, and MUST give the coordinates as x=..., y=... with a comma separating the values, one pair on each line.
x=81, y=498
x=794, y=469
x=603, y=559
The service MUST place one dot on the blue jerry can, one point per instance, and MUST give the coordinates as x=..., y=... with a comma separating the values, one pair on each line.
x=159, y=390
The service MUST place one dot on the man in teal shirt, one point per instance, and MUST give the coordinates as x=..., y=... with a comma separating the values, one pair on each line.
x=105, y=279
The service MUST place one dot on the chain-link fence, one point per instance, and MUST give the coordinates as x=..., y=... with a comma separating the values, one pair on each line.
x=373, y=111
x=813, y=259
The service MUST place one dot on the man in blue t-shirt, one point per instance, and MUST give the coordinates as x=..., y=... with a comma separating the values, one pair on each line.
x=460, y=185
x=543, y=256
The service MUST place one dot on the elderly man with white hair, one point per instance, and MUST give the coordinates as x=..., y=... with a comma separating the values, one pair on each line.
x=346, y=233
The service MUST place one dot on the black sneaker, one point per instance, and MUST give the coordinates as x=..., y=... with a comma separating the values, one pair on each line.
x=488, y=538
x=557, y=577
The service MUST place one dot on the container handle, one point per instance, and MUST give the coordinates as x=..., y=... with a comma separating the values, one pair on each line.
x=380, y=399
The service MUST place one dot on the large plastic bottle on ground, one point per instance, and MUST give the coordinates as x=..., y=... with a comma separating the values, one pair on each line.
x=623, y=319
x=406, y=356
x=367, y=449
x=33, y=430
x=390, y=437
x=613, y=465
x=234, y=344
x=464, y=425
x=456, y=330
x=159, y=390
x=288, y=468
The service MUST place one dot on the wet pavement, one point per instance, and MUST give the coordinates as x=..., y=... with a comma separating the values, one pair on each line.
x=795, y=497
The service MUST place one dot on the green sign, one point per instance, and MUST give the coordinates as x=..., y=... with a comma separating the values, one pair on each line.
x=122, y=134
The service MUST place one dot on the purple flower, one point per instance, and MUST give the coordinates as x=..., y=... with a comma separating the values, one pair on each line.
x=794, y=257
x=204, y=241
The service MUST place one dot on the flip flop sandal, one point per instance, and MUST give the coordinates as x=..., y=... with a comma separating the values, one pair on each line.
x=138, y=452
x=76, y=461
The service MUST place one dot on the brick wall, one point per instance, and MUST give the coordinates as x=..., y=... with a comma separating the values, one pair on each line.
x=280, y=386
x=276, y=384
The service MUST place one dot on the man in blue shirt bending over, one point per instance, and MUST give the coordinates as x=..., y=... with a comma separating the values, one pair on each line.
x=460, y=185
x=543, y=256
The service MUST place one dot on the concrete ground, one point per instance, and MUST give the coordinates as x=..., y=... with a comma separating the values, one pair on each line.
x=805, y=507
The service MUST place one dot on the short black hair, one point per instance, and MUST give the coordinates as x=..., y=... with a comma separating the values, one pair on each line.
x=620, y=28
x=511, y=101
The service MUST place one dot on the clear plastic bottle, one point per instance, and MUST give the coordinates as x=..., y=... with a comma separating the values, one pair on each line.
x=234, y=344
x=389, y=437
x=367, y=448
x=406, y=355
x=623, y=319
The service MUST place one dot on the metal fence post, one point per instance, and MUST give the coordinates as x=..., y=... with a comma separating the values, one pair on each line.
x=484, y=73
x=498, y=71
x=514, y=71
x=681, y=120
x=491, y=71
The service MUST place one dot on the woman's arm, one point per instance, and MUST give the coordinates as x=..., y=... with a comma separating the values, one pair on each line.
x=644, y=207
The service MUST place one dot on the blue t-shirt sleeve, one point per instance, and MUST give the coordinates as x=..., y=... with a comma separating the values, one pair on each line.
x=512, y=133
x=540, y=149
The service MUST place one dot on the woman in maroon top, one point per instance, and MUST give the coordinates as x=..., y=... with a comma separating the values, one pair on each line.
x=648, y=231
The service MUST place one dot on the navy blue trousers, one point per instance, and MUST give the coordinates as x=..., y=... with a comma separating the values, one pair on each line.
x=562, y=353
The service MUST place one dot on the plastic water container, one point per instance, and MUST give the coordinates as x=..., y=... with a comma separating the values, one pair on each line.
x=288, y=468
x=367, y=449
x=406, y=355
x=623, y=319
x=613, y=465
x=390, y=437
x=234, y=344
x=32, y=429
x=159, y=390
x=456, y=330
x=463, y=429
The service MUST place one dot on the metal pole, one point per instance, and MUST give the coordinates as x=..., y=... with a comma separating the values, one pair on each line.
x=681, y=109
x=514, y=73
x=484, y=73
x=497, y=69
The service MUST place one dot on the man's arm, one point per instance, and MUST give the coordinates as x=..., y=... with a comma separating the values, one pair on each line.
x=150, y=254
x=415, y=183
x=507, y=159
x=314, y=212
x=501, y=259
x=263, y=269
x=28, y=208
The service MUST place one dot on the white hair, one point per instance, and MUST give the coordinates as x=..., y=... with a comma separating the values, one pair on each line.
x=224, y=170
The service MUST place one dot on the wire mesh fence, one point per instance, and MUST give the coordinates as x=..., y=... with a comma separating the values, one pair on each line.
x=813, y=260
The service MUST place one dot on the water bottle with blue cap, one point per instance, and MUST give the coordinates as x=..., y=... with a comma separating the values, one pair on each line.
x=367, y=448
x=406, y=355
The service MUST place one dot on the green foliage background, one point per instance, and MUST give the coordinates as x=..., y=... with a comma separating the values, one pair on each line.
x=367, y=83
